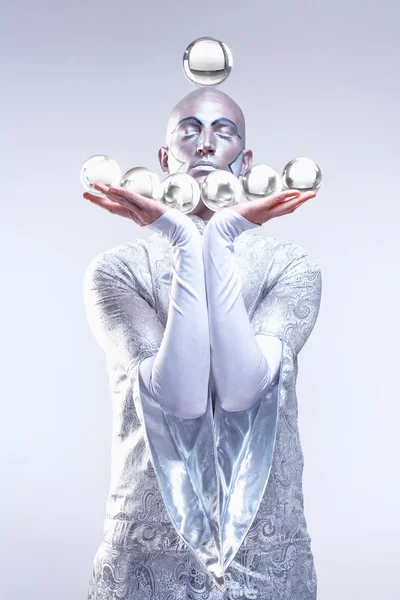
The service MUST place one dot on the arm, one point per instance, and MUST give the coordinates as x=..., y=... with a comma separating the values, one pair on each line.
x=243, y=364
x=127, y=327
x=181, y=448
x=246, y=440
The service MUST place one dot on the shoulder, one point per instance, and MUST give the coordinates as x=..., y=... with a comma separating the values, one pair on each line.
x=124, y=261
x=280, y=253
x=115, y=257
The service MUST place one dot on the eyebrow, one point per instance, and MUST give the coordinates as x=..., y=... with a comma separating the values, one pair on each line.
x=220, y=120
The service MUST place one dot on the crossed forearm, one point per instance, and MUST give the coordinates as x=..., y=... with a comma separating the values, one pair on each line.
x=178, y=376
x=206, y=314
x=239, y=367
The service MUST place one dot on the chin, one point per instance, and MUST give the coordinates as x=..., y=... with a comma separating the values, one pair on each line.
x=200, y=177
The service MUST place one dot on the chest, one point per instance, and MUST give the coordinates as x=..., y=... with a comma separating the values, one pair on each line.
x=252, y=262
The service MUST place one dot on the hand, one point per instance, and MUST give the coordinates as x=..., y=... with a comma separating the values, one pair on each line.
x=276, y=205
x=127, y=204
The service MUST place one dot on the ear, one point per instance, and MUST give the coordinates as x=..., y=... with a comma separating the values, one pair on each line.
x=163, y=158
x=247, y=161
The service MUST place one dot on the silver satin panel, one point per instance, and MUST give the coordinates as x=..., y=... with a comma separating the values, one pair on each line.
x=245, y=442
x=172, y=531
x=184, y=459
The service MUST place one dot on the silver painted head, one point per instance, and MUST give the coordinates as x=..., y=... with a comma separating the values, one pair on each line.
x=205, y=133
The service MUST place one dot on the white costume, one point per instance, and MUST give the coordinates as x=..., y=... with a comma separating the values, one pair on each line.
x=204, y=504
x=239, y=363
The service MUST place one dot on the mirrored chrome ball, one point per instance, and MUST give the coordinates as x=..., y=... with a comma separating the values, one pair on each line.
x=260, y=181
x=180, y=191
x=100, y=169
x=143, y=181
x=207, y=61
x=302, y=174
x=220, y=189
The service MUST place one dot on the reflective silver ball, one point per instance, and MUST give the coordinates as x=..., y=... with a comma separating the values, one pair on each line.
x=302, y=174
x=143, y=181
x=207, y=61
x=220, y=189
x=100, y=169
x=260, y=181
x=180, y=191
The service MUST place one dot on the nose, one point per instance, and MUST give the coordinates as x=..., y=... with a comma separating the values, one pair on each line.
x=205, y=144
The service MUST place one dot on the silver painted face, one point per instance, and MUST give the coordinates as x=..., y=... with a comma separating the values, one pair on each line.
x=207, y=134
x=221, y=189
x=260, y=181
x=143, y=181
x=302, y=174
x=100, y=169
x=207, y=62
x=180, y=191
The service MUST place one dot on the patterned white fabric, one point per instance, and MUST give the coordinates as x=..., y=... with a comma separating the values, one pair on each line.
x=210, y=506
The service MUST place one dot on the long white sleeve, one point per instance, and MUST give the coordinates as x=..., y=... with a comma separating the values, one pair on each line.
x=243, y=365
x=178, y=376
x=206, y=313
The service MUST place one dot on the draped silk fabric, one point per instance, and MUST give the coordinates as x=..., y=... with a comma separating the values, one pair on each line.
x=209, y=507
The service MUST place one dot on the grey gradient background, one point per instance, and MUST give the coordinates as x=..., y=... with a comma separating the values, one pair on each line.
x=317, y=79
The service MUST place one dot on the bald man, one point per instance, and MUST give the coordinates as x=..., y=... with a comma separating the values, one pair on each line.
x=197, y=142
x=201, y=325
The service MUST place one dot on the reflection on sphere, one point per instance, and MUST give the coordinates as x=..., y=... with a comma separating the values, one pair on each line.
x=180, y=191
x=220, y=189
x=207, y=61
x=302, y=174
x=260, y=181
x=143, y=181
x=100, y=169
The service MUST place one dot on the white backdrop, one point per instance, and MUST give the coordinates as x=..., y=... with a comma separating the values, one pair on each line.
x=317, y=80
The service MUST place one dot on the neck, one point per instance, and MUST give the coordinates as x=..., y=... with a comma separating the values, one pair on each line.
x=202, y=211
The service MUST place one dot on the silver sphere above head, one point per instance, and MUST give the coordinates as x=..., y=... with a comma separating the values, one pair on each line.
x=302, y=174
x=99, y=169
x=180, y=191
x=221, y=189
x=207, y=61
x=261, y=181
x=143, y=181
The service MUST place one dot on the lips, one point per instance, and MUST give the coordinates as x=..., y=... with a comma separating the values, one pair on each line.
x=204, y=166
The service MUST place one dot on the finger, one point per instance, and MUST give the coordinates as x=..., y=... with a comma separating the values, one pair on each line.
x=276, y=199
x=290, y=206
x=126, y=203
x=308, y=195
x=285, y=195
x=137, y=199
x=300, y=203
x=101, y=187
x=115, y=191
x=302, y=197
x=116, y=207
x=94, y=197
x=142, y=207
x=109, y=205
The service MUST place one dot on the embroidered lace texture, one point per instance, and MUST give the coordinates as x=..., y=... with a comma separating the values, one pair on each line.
x=142, y=553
